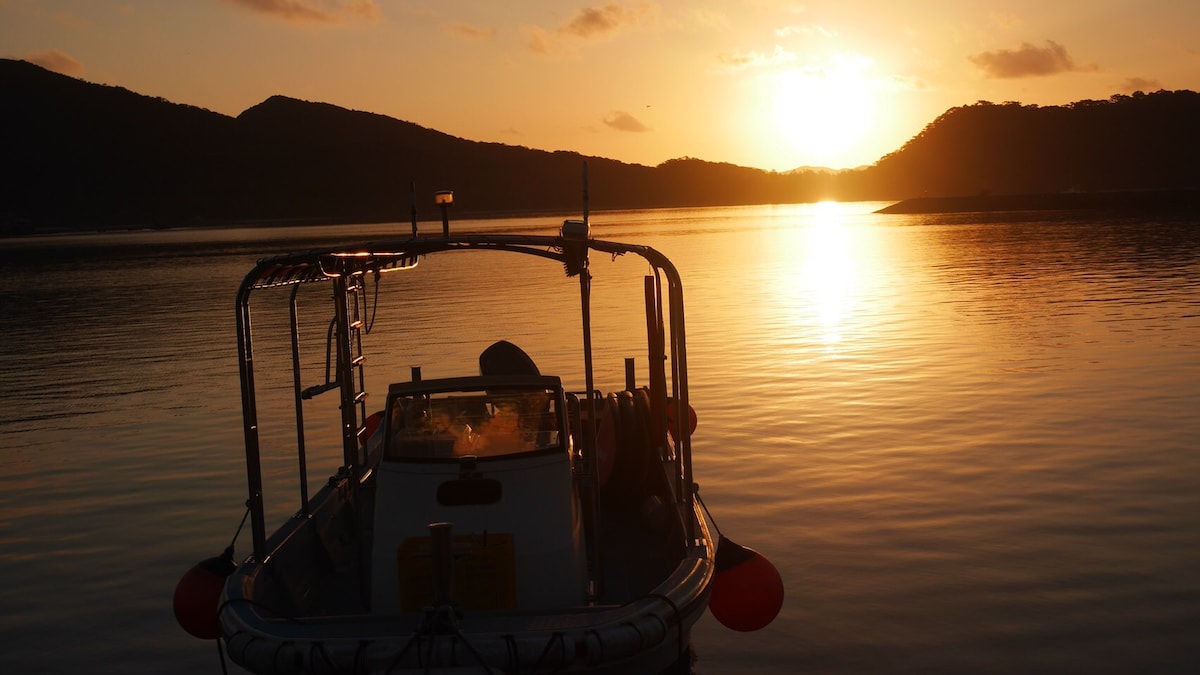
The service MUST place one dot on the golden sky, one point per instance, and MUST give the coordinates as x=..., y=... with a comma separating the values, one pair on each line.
x=762, y=83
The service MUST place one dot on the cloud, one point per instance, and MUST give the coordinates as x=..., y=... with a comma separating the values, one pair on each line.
x=808, y=30
x=706, y=18
x=755, y=59
x=536, y=40
x=470, y=32
x=894, y=83
x=623, y=121
x=595, y=22
x=316, y=11
x=1132, y=84
x=586, y=25
x=52, y=59
x=1026, y=61
x=1003, y=20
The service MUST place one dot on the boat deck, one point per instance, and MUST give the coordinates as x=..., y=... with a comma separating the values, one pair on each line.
x=324, y=571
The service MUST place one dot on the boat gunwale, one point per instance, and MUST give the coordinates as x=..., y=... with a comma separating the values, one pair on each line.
x=685, y=591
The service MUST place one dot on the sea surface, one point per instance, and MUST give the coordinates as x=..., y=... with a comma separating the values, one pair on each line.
x=969, y=443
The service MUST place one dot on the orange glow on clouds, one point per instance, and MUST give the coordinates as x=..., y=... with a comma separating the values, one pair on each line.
x=765, y=84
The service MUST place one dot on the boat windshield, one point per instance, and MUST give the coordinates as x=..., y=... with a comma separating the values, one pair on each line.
x=483, y=424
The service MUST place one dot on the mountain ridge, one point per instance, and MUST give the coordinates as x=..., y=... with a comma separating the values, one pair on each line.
x=84, y=155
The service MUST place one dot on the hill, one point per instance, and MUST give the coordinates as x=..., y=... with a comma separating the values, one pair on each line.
x=1139, y=142
x=84, y=155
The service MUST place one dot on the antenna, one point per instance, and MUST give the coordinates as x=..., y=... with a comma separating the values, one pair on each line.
x=585, y=193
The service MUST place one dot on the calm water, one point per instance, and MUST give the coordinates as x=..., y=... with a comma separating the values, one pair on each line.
x=970, y=445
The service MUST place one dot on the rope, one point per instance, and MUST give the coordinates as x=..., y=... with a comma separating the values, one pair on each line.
x=224, y=669
x=472, y=650
x=279, y=648
x=425, y=659
x=396, y=661
x=252, y=603
x=674, y=610
x=240, y=526
x=599, y=642
x=426, y=653
x=641, y=638
x=229, y=553
x=360, y=659
x=696, y=491
x=318, y=647
x=221, y=655
x=513, y=654
x=546, y=650
x=429, y=659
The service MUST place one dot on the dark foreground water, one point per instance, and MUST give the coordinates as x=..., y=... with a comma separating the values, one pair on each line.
x=971, y=445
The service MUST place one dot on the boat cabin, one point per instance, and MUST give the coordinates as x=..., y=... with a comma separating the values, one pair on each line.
x=488, y=460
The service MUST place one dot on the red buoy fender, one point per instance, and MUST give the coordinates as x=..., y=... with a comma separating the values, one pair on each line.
x=370, y=439
x=673, y=417
x=747, y=590
x=199, y=591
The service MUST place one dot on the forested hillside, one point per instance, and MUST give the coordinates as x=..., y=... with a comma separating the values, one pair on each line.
x=82, y=155
x=1144, y=141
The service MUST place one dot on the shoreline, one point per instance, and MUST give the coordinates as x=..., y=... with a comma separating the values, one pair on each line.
x=25, y=229
x=1173, y=201
x=1141, y=201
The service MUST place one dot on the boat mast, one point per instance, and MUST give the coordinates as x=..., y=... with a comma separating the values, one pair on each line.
x=591, y=480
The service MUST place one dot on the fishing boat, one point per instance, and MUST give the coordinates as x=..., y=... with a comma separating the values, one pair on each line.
x=492, y=519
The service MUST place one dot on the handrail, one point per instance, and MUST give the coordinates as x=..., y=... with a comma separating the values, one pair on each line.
x=390, y=256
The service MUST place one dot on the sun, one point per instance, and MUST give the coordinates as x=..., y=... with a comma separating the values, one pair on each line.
x=823, y=113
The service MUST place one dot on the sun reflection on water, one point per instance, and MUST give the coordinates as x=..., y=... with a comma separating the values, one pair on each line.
x=825, y=286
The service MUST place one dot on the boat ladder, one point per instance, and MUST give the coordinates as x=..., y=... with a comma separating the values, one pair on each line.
x=351, y=309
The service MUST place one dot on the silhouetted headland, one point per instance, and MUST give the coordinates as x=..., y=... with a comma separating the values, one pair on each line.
x=87, y=156
x=1140, y=201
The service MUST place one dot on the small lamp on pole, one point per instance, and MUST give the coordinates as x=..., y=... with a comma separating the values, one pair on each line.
x=444, y=199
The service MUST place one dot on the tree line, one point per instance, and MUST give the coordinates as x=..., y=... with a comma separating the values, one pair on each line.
x=82, y=155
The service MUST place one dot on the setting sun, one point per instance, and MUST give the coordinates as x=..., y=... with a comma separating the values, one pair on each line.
x=823, y=112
